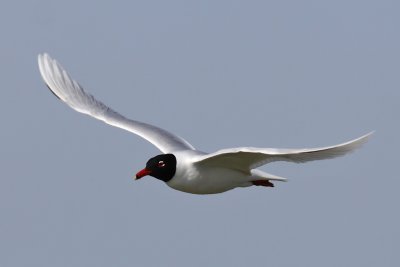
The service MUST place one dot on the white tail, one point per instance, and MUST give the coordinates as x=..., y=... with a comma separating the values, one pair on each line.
x=260, y=175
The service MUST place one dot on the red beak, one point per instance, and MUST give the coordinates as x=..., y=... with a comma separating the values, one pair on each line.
x=142, y=173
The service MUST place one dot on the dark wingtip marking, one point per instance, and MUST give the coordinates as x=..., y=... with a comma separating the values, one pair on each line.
x=265, y=183
x=52, y=91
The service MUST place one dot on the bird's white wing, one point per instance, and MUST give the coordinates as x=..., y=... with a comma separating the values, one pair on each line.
x=247, y=158
x=70, y=92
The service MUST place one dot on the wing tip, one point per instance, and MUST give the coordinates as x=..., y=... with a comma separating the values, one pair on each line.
x=362, y=139
x=350, y=146
x=42, y=59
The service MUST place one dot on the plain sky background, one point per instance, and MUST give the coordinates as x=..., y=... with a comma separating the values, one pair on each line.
x=221, y=74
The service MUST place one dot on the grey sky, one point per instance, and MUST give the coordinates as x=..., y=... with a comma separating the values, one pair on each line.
x=221, y=74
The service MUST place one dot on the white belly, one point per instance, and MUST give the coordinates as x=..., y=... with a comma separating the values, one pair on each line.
x=209, y=181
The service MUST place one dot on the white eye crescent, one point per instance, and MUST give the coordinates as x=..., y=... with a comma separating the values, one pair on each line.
x=160, y=164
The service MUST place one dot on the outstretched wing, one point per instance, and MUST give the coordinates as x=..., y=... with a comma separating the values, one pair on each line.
x=247, y=158
x=70, y=92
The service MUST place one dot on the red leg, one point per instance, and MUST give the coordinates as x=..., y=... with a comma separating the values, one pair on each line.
x=266, y=183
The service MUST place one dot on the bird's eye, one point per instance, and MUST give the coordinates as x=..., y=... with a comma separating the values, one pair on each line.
x=160, y=164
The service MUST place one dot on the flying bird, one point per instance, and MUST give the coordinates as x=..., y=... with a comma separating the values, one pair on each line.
x=180, y=165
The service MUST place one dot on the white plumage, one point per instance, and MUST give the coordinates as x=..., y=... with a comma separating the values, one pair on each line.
x=196, y=172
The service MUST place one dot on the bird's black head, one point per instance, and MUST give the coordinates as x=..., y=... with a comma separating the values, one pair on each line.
x=162, y=167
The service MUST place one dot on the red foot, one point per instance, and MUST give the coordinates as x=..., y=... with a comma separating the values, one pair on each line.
x=266, y=183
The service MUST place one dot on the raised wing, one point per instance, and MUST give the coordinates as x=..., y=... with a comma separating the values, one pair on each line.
x=247, y=158
x=70, y=92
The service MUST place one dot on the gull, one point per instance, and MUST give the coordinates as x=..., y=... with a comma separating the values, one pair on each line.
x=181, y=166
